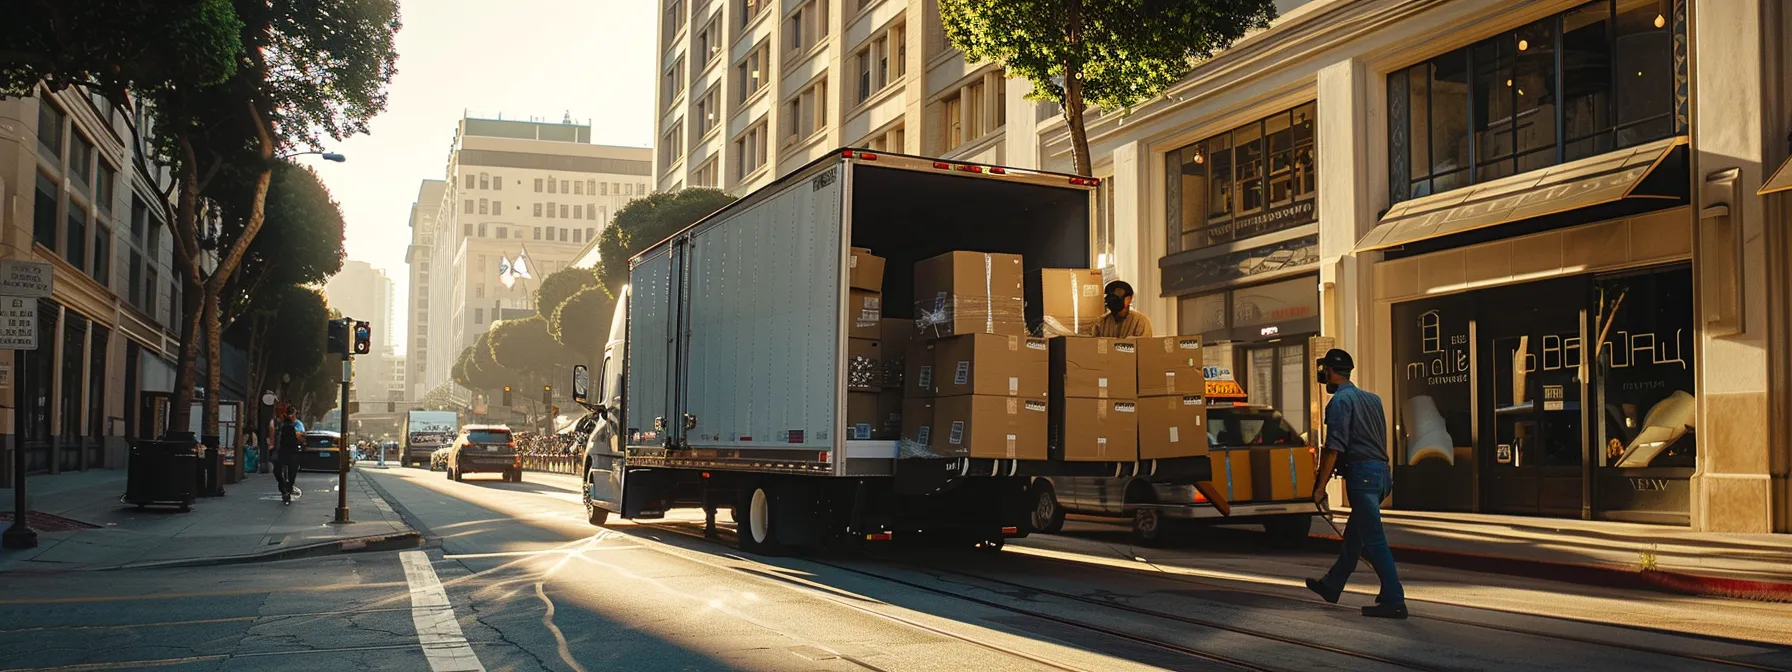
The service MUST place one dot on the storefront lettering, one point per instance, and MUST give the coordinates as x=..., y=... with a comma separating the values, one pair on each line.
x=1445, y=363
x=1649, y=484
x=1646, y=349
x=1558, y=353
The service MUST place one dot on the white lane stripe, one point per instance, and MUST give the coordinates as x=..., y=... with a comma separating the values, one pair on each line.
x=437, y=629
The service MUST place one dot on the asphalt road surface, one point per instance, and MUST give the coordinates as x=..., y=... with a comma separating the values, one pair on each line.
x=514, y=579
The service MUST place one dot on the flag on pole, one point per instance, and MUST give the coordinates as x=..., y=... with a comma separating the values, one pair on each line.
x=521, y=267
x=506, y=272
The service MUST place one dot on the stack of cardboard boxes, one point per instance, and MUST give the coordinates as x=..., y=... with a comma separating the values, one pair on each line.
x=974, y=382
x=1172, y=413
x=1094, y=399
x=864, y=347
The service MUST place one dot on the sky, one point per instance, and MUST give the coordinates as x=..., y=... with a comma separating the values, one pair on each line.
x=518, y=58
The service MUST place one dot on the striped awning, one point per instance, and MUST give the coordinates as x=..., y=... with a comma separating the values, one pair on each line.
x=1781, y=180
x=1578, y=184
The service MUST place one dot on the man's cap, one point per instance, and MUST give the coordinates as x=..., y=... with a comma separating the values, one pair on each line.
x=1337, y=360
x=1120, y=286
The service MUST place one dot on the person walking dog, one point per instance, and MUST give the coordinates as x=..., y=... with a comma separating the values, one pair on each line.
x=1356, y=447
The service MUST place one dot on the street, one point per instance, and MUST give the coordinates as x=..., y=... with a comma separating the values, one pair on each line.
x=531, y=586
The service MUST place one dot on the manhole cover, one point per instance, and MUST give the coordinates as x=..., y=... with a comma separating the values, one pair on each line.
x=44, y=522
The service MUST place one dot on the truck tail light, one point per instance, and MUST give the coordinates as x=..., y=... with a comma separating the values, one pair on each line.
x=878, y=536
x=1086, y=181
x=1010, y=531
x=942, y=165
x=1200, y=498
x=998, y=170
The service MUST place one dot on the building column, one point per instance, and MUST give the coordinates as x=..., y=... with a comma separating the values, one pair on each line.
x=1137, y=241
x=1346, y=210
x=1731, y=489
x=1022, y=134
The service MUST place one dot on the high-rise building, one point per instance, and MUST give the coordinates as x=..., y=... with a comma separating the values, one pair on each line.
x=513, y=190
x=753, y=89
x=364, y=293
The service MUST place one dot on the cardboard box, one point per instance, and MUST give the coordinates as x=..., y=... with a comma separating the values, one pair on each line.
x=918, y=370
x=1072, y=299
x=1100, y=430
x=917, y=428
x=1093, y=368
x=1232, y=473
x=996, y=427
x=1170, y=365
x=864, y=365
x=864, y=314
x=1010, y=366
x=946, y=315
x=1171, y=427
x=970, y=274
x=895, y=335
x=862, y=420
x=865, y=271
x=1282, y=474
x=889, y=415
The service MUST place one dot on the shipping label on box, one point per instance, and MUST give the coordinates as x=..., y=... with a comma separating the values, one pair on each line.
x=862, y=421
x=1169, y=382
x=1012, y=366
x=994, y=427
x=864, y=314
x=1100, y=430
x=1172, y=427
x=918, y=365
x=865, y=271
x=864, y=365
x=1093, y=368
x=987, y=275
x=1232, y=472
x=1072, y=299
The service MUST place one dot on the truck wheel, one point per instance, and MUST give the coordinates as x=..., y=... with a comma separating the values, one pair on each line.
x=1047, y=516
x=757, y=532
x=1153, y=529
x=1288, y=533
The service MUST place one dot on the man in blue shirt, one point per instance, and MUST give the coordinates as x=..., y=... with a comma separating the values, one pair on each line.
x=1356, y=447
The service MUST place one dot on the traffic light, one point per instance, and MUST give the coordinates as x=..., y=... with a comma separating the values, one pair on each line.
x=506, y=395
x=363, y=338
x=338, y=341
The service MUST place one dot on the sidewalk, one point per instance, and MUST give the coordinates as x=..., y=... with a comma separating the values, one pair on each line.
x=248, y=523
x=1625, y=555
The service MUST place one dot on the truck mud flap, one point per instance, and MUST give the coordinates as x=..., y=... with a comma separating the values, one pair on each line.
x=647, y=493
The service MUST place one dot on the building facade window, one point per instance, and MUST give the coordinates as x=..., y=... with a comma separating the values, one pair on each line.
x=704, y=175
x=749, y=151
x=708, y=112
x=952, y=120
x=104, y=187
x=1597, y=78
x=590, y=234
x=484, y=207
x=497, y=207
x=752, y=73
x=44, y=212
x=49, y=129
x=575, y=235
x=590, y=212
x=537, y=209
x=76, y=236
x=469, y=207
x=479, y=291
x=553, y=185
x=551, y=211
x=672, y=144
x=672, y=83
x=537, y=185
x=882, y=61
x=503, y=232
x=485, y=181
x=563, y=235
x=675, y=17
x=538, y=229
x=102, y=253
x=707, y=44
x=564, y=187
x=478, y=316
x=497, y=183
x=591, y=187
x=470, y=180
x=1255, y=179
x=751, y=9
x=80, y=160
x=482, y=229
x=805, y=114
x=806, y=27
x=563, y=211
x=578, y=212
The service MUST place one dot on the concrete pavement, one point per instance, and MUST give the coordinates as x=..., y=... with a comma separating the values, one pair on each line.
x=248, y=523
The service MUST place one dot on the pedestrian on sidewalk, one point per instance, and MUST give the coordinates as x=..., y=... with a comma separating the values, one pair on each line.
x=1356, y=447
x=288, y=441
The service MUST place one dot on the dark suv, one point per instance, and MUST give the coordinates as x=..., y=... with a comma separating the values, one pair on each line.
x=485, y=449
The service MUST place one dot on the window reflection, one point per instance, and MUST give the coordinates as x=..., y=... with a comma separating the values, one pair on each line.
x=1244, y=182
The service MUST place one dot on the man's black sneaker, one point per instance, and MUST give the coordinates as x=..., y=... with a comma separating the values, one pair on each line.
x=1394, y=611
x=1325, y=593
x=286, y=498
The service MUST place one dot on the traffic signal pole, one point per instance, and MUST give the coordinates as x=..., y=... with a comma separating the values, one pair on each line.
x=348, y=375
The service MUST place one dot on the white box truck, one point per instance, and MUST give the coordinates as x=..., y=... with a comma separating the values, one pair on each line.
x=426, y=431
x=722, y=383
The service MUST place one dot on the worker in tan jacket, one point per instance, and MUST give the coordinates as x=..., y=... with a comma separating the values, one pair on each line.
x=1121, y=321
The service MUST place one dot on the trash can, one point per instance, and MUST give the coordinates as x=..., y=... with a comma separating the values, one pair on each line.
x=211, y=468
x=163, y=472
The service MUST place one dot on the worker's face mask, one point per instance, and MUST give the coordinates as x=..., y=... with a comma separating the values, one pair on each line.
x=1116, y=303
x=1325, y=380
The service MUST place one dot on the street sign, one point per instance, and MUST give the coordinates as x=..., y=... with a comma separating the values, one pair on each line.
x=18, y=323
x=25, y=278
x=581, y=383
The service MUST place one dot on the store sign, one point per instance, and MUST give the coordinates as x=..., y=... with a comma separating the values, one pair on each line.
x=18, y=323
x=1446, y=358
x=25, y=278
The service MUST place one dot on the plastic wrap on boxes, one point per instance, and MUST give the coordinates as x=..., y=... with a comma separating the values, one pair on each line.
x=864, y=365
x=970, y=293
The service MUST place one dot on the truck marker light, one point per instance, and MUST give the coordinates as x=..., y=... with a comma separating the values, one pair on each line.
x=942, y=165
x=823, y=459
x=879, y=536
x=847, y=153
x=971, y=169
x=867, y=156
x=998, y=170
x=1010, y=530
x=706, y=474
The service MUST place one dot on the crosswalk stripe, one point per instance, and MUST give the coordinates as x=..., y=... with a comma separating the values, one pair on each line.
x=438, y=631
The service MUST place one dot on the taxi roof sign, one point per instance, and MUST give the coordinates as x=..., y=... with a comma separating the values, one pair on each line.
x=1224, y=389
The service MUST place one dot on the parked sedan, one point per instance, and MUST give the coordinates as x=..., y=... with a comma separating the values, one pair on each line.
x=321, y=451
x=487, y=449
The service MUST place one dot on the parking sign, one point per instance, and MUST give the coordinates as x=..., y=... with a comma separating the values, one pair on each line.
x=18, y=323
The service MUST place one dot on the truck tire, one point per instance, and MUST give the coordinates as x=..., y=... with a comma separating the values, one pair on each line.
x=758, y=532
x=1047, y=516
x=1288, y=533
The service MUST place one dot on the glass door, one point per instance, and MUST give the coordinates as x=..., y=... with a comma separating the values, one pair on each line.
x=1533, y=458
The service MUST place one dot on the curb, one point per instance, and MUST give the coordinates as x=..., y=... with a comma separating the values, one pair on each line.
x=1656, y=580
x=376, y=543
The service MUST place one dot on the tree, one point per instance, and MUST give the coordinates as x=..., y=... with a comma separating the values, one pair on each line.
x=526, y=349
x=1113, y=53
x=284, y=338
x=646, y=221
x=301, y=242
x=582, y=323
x=557, y=288
x=118, y=46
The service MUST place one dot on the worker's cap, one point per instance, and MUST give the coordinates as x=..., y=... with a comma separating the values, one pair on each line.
x=1337, y=360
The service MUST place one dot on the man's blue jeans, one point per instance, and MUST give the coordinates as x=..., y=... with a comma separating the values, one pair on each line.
x=1365, y=485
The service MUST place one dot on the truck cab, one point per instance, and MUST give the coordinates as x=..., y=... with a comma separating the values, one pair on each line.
x=1243, y=439
x=603, y=467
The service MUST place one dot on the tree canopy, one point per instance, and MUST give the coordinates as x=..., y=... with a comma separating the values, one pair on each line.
x=560, y=286
x=526, y=350
x=582, y=324
x=301, y=243
x=1113, y=53
x=649, y=220
x=118, y=46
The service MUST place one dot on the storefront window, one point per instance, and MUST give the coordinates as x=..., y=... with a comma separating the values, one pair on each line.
x=1255, y=179
x=1646, y=371
x=1493, y=105
x=1433, y=432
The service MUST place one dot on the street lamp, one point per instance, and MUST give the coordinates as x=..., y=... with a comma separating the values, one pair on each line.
x=327, y=156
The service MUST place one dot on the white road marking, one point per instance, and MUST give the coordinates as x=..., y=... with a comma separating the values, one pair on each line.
x=437, y=630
